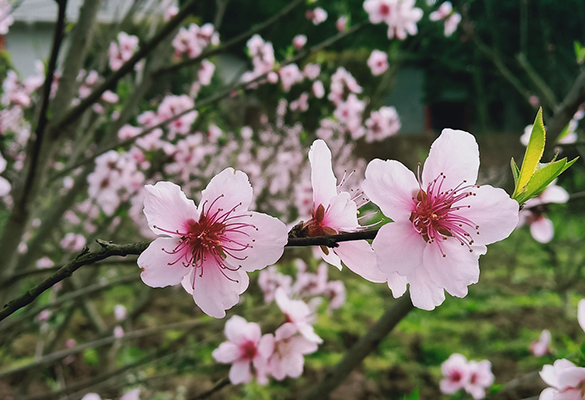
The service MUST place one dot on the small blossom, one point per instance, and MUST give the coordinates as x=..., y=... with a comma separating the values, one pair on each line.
x=566, y=381
x=541, y=346
x=378, y=62
x=118, y=332
x=205, y=72
x=341, y=23
x=210, y=248
x=455, y=372
x=442, y=220
x=120, y=312
x=245, y=347
x=299, y=41
x=44, y=262
x=297, y=313
x=287, y=358
x=317, y=15
x=73, y=242
x=480, y=378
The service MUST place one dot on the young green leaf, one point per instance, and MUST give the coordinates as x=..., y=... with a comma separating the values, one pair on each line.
x=533, y=154
x=515, y=171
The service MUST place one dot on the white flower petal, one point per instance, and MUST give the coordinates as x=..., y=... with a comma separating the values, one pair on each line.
x=322, y=177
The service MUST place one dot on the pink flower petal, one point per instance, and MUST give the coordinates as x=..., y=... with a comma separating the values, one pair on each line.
x=226, y=190
x=341, y=214
x=167, y=207
x=266, y=345
x=5, y=187
x=397, y=284
x=240, y=372
x=581, y=314
x=399, y=248
x=542, y=230
x=154, y=262
x=423, y=293
x=267, y=238
x=360, y=258
x=454, y=272
x=238, y=330
x=391, y=186
x=548, y=394
x=571, y=377
x=213, y=292
x=493, y=211
x=455, y=154
x=226, y=353
x=554, y=194
x=330, y=258
x=322, y=177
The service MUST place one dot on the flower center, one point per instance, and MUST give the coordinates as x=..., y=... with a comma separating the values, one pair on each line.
x=213, y=238
x=435, y=214
x=456, y=376
x=384, y=9
x=248, y=350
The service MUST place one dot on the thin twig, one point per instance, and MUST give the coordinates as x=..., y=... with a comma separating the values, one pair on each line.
x=216, y=388
x=73, y=113
x=86, y=257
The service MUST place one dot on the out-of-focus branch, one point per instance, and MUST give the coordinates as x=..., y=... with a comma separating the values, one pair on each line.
x=59, y=355
x=73, y=113
x=216, y=388
x=545, y=91
x=111, y=249
x=565, y=111
x=365, y=345
x=234, y=41
x=86, y=257
x=520, y=387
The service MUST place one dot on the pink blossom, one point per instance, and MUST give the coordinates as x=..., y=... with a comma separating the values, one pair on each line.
x=566, y=381
x=444, y=10
x=480, y=378
x=120, y=312
x=309, y=284
x=334, y=212
x=44, y=262
x=131, y=395
x=400, y=15
x=335, y=292
x=312, y=71
x=44, y=316
x=289, y=75
x=581, y=314
x=541, y=346
x=299, y=41
x=301, y=104
x=318, y=89
x=382, y=124
x=442, y=220
x=349, y=113
x=287, y=358
x=269, y=280
x=5, y=18
x=5, y=186
x=298, y=314
x=171, y=106
x=73, y=242
x=534, y=101
x=122, y=50
x=534, y=212
x=341, y=23
x=379, y=10
x=451, y=24
x=455, y=372
x=210, y=248
x=245, y=347
x=317, y=15
x=118, y=332
x=191, y=41
x=378, y=62
x=206, y=72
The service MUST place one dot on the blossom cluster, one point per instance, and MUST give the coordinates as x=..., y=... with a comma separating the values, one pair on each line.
x=278, y=355
x=401, y=16
x=192, y=40
x=475, y=377
x=121, y=50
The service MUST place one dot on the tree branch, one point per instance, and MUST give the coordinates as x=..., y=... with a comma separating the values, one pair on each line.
x=73, y=113
x=368, y=343
x=112, y=249
x=86, y=257
x=216, y=388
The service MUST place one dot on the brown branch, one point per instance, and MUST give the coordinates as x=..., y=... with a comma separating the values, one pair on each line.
x=234, y=41
x=112, y=249
x=86, y=257
x=216, y=388
x=565, y=111
x=545, y=91
x=73, y=113
x=368, y=343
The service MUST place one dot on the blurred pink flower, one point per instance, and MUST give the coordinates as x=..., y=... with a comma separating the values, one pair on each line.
x=120, y=312
x=44, y=262
x=288, y=358
x=210, y=248
x=122, y=50
x=480, y=378
x=299, y=41
x=455, y=372
x=341, y=23
x=541, y=346
x=298, y=314
x=442, y=220
x=566, y=381
x=382, y=123
x=581, y=314
x=206, y=72
x=73, y=242
x=269, y=280
x=400, y=15
x=289, y=75
x=378, y=62
x=316, y=15
x=245, y=347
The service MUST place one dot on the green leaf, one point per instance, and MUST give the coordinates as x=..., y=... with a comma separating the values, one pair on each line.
x=415, y=395
x=533, y=154
x=543, y=177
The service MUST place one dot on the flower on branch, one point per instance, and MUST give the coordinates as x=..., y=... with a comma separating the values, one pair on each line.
x=442, y=219
x=210, y=248
x=472, y=376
